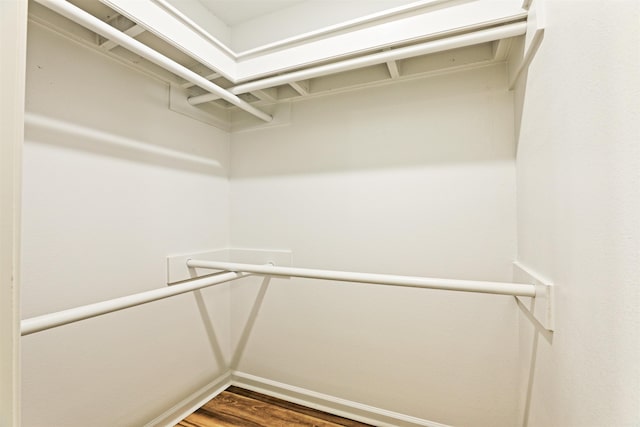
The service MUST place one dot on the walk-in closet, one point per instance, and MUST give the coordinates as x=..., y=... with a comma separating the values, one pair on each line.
x=400, y=212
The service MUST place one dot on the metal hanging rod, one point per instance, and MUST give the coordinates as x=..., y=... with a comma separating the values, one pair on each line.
x=454, y=42
x=235, y=271
x=52, y=320
x=499, y=288
x=89, y=21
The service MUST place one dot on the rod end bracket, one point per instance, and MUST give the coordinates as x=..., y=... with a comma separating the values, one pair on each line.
x=178, y=270
x=542, y=306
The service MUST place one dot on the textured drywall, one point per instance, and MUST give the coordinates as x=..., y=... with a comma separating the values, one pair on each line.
x=578, y=167
x=113, y=183
x=415, y=178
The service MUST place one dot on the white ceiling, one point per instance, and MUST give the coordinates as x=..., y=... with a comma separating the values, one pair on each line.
x=233, y=12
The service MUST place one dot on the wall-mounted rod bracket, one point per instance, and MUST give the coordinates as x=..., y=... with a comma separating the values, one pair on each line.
x=178, y=271
x=542, y=306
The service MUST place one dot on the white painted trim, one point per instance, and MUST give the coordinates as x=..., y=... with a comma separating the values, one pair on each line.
x=323, y=402
x=197, y=28
x=385, y=31
x=13, y=43
x=370, y=20
x=438, y=25
x=89, y=21
x=191, y=403
x=403, y=78
x=281, y=44
x=367, y=19
x=434, y=46
x=327, y=403
x=171, y=29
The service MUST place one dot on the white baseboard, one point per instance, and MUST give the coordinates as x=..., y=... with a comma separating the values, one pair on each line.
x=331, y=404
x=323, y=402
x=190, y=404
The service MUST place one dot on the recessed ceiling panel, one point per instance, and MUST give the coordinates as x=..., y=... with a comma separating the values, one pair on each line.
x=234, y=12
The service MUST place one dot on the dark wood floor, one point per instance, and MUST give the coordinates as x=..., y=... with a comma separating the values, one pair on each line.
x=239, y=407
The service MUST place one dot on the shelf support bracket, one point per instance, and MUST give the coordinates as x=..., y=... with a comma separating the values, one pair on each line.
x=302, y=87
x=535, y=33
x=394, y=72
x=134, y=32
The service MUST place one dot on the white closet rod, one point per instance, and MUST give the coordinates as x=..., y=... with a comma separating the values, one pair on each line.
x=89, y=21
x=52, y=320
x=235, y=271
x=454, y=42
x=500, y=288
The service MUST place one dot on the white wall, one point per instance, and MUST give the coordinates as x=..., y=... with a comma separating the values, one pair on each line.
x=416, y=178
x=109, y=192
x=578, y=216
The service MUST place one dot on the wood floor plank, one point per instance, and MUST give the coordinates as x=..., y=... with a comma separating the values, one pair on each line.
x=345, y=422
x=239, y=407
x=254, y=411
x=206, y=418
